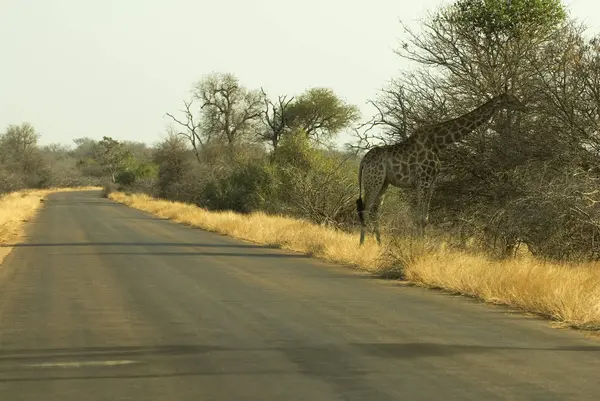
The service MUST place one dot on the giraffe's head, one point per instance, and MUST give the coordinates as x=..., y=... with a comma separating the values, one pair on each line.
x=508, y=101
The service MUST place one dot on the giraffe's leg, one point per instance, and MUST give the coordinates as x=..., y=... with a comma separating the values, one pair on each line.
x=362, y=230
x=424, y=195
x=415, y=205
x=375, y=219
x=429, y=188
x=418, y=209
x=373, y=181
x=376, y=222
x=375, y=211
x=366, y=215
x=363, y=214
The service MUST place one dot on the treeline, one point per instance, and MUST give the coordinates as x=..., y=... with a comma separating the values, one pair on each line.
x=233, y=148
x=230, y=148
x=26, y=164
x=529, y=178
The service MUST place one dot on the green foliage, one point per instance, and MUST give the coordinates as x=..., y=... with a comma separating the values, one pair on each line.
x=507, y=18
x=294, y=150
x=321, y=113
x=248, y=187
x=125, y=162
x=125, y=178
x=111, y=155
x=145, y=170
x=296, y=178
x=134, y=170
x=312, y=183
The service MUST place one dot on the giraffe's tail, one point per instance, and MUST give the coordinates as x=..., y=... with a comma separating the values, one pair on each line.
x=360, y=205
x=360, y=208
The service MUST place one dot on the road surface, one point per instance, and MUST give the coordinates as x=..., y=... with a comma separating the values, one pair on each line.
x=104, y=302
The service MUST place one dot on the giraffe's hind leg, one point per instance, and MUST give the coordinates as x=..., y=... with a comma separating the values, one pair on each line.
x=375, y=211
x=373, y=183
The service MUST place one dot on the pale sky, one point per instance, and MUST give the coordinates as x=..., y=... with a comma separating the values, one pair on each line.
x=76, y=68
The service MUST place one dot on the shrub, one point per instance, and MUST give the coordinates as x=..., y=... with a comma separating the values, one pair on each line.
x=109, y=188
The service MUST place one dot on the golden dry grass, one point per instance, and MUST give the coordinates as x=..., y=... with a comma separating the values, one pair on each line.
x=568, y=294
x=19, y=207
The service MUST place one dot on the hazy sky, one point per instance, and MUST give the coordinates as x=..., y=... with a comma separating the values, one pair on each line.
x=78, y=68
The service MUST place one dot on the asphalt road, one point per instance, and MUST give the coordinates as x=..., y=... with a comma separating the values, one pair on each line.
x=103, y=302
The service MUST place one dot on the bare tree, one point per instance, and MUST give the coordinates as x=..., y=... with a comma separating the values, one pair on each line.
x=275, y=118
x=171, y=155
x=229, y=111
x=409, y=101
x=193, y=129
x=19, y=151
x=18, y=142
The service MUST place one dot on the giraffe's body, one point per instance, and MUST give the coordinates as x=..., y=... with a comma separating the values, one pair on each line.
x=414, y=164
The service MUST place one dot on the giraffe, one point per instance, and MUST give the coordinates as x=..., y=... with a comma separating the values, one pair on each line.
x=414, y=163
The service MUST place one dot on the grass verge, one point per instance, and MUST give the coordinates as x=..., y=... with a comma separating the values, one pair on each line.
x=16, y=208
x=565, y=293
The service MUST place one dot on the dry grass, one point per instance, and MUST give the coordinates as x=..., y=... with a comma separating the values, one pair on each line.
x=19, y=207
x=568, y=294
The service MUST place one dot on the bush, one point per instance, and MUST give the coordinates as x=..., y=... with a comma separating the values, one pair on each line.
x=248, y=187
x=558, y=218
x=125, y=178
x=109, y=188
x=10, y=182
x=315, y=184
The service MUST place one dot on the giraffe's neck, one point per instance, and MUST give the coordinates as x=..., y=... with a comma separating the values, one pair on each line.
x=451, y=131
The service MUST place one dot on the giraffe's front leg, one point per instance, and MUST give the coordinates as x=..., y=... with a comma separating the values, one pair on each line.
x=428, y=189
x=419, y=209
x=424, y=194
x=428, y=194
